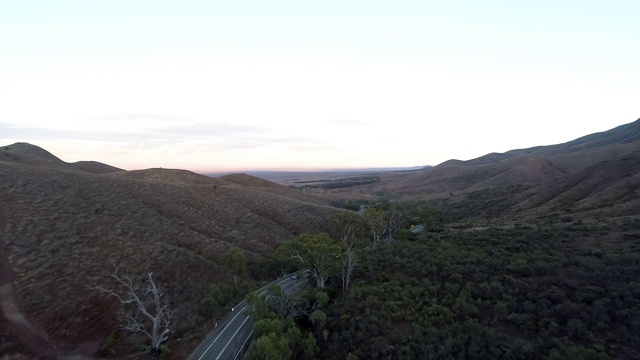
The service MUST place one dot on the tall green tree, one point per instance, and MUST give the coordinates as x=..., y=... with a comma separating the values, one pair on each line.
x=270, y=347
x=236, y=262
x=257, y=306
x=431, y=218
x=376, y=220
x=217, y=298
x=319, y=253
x=347, y=226
x=280, y=339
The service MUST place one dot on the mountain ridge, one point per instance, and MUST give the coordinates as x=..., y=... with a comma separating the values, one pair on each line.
x=28, y=154
x=67, y=222
x=476, y=187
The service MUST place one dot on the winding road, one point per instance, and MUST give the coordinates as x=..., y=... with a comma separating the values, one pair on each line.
x=232, y=336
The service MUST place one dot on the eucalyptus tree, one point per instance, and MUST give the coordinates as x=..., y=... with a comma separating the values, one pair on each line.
x=349, y=263
x=236, y=262
x=319, y=253
x=283, y=304
x=376, y=220
x=348, y=226
x=144, y=308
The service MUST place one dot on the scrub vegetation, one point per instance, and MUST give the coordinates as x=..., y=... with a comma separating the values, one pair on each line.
x=550, y=291
x=526, y=293
x=529, y=254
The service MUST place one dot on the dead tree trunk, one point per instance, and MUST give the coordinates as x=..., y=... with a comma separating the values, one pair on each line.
x=349, y=263
x=145, y=310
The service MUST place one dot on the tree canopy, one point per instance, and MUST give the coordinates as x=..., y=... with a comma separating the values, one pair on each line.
x=319, y=253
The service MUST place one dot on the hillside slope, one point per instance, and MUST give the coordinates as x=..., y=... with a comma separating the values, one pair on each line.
x=27, y=154
x=65, y=227
x=593, y=175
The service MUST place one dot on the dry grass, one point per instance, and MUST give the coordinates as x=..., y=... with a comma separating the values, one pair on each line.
x=66, y=223
x=66, y=227
x=594, y=176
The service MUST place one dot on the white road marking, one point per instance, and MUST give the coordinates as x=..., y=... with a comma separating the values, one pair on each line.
x=243, y=344
x=222, y=331
x=288, y=281
x=232, y=336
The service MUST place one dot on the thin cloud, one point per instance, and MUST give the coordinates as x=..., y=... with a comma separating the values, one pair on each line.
x=151, y=131
x=133, y=128
x=347, y=122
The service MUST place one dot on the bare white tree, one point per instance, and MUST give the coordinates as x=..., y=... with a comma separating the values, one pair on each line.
x=349, y=264
x=348, y=226
x=394, y=219
x=145, y=310
x=285, y=305
x=377, y=223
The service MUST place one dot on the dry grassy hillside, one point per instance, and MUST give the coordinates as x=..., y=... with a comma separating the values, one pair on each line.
x=27, y=154
x=64, y=228
x=595, y=175
x=268, y=186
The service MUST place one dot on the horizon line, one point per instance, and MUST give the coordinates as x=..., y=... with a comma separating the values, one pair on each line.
x=277, y=170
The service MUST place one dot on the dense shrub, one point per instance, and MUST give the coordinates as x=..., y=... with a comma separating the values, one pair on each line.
x=512, y=293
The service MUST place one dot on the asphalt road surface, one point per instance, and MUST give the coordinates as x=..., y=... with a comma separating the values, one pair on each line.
x=232, y=336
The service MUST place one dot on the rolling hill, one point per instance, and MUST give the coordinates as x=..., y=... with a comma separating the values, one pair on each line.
x=66, y=224
x=595, y=175
x=27, y=154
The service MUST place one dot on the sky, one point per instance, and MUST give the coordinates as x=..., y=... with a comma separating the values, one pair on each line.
x=312, y=85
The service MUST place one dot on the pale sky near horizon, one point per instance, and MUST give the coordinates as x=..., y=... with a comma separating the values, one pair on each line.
x=246, y=85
